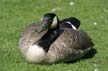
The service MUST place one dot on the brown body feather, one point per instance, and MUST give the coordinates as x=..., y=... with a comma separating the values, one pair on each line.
x=70, y=45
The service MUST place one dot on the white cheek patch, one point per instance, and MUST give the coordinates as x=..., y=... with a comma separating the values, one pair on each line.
x=72, y=25
x=54, y=23
x=35, y=54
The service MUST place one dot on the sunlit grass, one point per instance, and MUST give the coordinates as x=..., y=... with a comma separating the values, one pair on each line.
x=16, y=14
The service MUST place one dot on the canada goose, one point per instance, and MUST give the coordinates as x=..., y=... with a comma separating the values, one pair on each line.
x=56, y=44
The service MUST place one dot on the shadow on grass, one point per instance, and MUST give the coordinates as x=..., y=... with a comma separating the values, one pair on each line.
x=89, y=55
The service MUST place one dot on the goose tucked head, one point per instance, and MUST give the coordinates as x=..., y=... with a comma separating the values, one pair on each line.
x=50, y=21
x=71, y=22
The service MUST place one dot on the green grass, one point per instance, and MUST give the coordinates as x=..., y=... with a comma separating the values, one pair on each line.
x=16, y=14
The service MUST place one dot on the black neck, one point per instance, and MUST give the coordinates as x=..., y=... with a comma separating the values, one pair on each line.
x=48, y=38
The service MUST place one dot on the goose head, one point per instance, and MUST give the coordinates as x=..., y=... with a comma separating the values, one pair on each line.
x=49, y=22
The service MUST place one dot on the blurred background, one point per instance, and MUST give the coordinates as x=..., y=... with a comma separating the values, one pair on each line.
x=15, y=15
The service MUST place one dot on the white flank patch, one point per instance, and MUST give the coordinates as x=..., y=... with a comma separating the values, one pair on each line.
x=72, y=25
x=54, y=23
x=35, y=54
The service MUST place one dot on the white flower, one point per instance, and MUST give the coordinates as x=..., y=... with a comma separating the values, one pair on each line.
x=95, y=23
x=96, y=69
x=71, y=3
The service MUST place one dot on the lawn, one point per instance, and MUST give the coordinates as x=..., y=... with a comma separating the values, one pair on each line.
x=15, y=15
